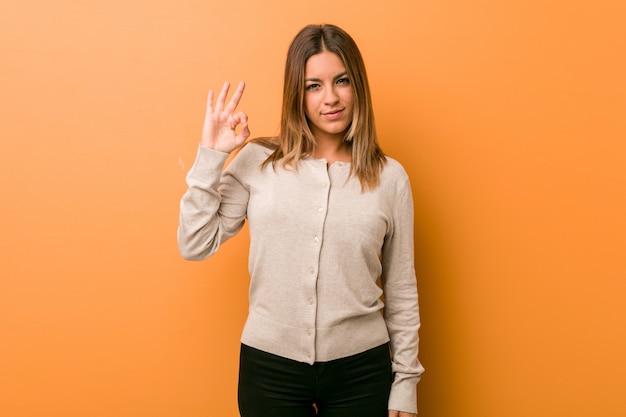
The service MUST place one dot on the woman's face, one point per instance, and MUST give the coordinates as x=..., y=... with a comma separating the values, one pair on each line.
x=327, y=95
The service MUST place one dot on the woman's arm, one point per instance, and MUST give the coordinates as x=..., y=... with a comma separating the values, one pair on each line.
x=214, y=207
x=401, y=304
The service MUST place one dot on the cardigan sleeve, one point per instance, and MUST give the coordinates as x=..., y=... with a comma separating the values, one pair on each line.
x=401, y=303
x=213, y=209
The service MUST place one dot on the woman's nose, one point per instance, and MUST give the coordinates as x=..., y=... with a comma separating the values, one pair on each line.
x=330, y=96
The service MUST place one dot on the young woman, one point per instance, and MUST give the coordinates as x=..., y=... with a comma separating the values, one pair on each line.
x=331, y=237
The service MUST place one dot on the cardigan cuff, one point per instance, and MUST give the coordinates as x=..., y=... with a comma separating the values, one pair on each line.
x=207, y=163
x=403, y=396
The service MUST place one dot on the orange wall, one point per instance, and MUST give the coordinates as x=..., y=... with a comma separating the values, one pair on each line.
x=509, y=117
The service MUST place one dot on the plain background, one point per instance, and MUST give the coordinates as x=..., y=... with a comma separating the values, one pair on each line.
x=508, y=115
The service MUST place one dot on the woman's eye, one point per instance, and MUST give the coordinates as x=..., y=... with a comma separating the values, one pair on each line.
x=312, y=86
x=343, y=81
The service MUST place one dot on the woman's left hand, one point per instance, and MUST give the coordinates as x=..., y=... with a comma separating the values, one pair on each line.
x=395, y=413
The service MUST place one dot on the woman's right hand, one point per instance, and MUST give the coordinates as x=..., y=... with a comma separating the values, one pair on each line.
x=224, y=130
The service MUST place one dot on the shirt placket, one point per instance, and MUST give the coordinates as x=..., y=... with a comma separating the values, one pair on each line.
x=316, y=239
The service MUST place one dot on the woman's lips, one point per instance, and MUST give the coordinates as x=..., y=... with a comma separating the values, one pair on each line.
x=333, y=115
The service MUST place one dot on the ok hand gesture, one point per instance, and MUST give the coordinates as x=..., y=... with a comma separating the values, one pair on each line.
x=224, y=130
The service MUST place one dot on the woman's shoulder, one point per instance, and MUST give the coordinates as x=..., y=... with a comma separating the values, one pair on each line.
x=394, y=180
x=249, y=157
x=270, y=143
x=393, y=170
x=253, y=150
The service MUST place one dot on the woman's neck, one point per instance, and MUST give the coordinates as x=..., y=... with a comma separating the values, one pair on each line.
x=332, y=149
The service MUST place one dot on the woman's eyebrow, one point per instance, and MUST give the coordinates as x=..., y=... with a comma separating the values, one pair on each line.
x=343, y=74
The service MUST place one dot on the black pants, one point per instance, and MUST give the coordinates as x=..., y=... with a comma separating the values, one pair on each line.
x=356, y=386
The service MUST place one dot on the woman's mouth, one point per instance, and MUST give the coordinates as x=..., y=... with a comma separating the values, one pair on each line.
x=333, y=114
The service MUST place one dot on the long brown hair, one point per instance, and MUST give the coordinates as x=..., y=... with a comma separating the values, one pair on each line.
x=295, y=140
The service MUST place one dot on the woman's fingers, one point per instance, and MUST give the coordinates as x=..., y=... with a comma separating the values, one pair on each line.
x=221, y=99
x=238, y=118
x=234, y=101
x=224, y=129
x=209, y=102
x=395, y=413
x=241, y=119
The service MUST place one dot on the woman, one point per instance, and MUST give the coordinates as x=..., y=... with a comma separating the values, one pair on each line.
x=331, y=236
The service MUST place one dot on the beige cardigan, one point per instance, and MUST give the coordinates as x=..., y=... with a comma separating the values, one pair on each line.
x=318, y=246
